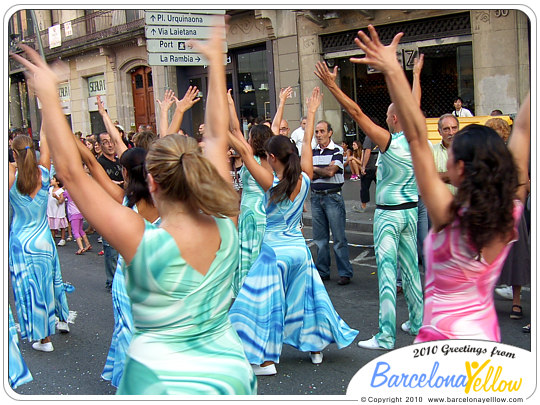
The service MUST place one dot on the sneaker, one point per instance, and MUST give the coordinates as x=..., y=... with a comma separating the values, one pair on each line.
x=62, y=242
x=358, y=209
x=266, y=370
x=100, y=239
x=43, y=347
x=406, y=327
x=101, y=253
x=505, y=292
x=371, y=344
x=316, y=358
x=69, y=239
x=356, y=178
x=63, y=327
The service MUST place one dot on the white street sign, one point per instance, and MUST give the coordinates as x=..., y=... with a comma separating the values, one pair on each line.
x=167, y=35
x=172, y=45
x=177, y=32
x=176, y=59
x=164, y=18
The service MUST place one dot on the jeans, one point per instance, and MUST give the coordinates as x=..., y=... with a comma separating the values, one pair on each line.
x=111, y=257
x=328, y=214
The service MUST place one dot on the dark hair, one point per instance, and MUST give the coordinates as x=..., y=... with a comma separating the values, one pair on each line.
x=27, y=163
x=136, y=188
x=458, y=98
x=258, y=135
x=484, y=201
x=328, y=126
x=60, y=184
x=286, y=152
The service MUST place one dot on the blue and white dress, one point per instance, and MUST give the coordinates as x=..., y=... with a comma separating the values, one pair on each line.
x=18, y=371
x=123, y=322
x=34, y=265
x=283, y=299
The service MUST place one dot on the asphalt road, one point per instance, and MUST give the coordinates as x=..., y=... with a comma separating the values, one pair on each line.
x=75, y=366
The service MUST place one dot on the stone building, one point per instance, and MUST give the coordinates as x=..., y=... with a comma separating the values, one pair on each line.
x=481, y=55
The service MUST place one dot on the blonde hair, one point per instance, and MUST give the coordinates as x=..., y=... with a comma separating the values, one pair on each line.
x=184, y=174
x=27, y=179
x=500, y=126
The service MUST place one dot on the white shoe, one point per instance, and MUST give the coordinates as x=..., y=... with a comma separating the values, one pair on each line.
x=371, y=344
x=100, y=239
x=316, y=358
x=43, y=347
x=406, y=327
x=63, y=327
x=505, y=292
x=62, y=242
x=266, y=370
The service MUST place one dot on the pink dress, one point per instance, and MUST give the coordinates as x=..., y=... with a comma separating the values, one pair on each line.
x=458, y=297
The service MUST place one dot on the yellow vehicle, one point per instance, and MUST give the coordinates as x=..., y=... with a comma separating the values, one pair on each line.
x=433, y=132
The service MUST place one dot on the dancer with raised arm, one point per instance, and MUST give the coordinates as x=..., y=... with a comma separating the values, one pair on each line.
x=34, y=266
x=283, y=299
x=178, y=275
x=472, y=231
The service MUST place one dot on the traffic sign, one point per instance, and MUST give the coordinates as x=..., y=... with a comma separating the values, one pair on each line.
x=171, y=45
x=187, y=19
x=168, y=33
x=176, y=59
x=172, y=32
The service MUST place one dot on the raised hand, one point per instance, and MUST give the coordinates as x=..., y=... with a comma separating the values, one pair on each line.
x=378, y=56
x=100, y=105
x=314, y=101
x=284, y=94
x=40, y=77
x=418, y=64
x=168, y=100
x=322, y=72
x=212, y=49
x=190, y=98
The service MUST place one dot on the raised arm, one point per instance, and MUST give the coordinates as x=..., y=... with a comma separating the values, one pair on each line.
x=164, y=107
x=234, y=122
x=119, y=145
x=44, y=151
x=262, y=175
x=119, y=225
x=216, y=118
x=284, y=94
x=306, y=160
x=417, y=71
x=434, y=193
x=520, y=146
x=378, y=134
x=190, y=98
x=99, y=174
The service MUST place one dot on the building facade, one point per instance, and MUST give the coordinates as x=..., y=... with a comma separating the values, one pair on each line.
x=103, y=52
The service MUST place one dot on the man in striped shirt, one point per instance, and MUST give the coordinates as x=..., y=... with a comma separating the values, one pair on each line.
x=328, y=206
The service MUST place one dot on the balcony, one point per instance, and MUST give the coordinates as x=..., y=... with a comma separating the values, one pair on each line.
x=101, y=28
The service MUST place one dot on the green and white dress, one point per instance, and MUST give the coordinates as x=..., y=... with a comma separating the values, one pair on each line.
x=184, y=343
x=251, y=225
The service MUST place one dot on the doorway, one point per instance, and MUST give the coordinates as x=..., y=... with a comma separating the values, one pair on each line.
x=143, y=97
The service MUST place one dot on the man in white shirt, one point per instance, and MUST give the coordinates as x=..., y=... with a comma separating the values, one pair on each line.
x=459, y=111
x=298, y=136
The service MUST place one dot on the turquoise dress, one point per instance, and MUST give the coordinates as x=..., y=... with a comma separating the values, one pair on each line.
x=283, y=299
x=184, y=343
x=123, y=322
x=34, y=265
x=18, y=371
x=251, y=225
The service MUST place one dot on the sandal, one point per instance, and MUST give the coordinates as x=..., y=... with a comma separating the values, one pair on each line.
x=526, y=328
x=86, y=249
x=79, y=252
x=516, y=314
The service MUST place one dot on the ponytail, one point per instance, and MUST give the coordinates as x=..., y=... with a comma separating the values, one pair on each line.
x=27, y=179
x=285, y=151
x=184, y=174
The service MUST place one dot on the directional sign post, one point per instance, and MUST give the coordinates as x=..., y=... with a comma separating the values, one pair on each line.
x=168, y=33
